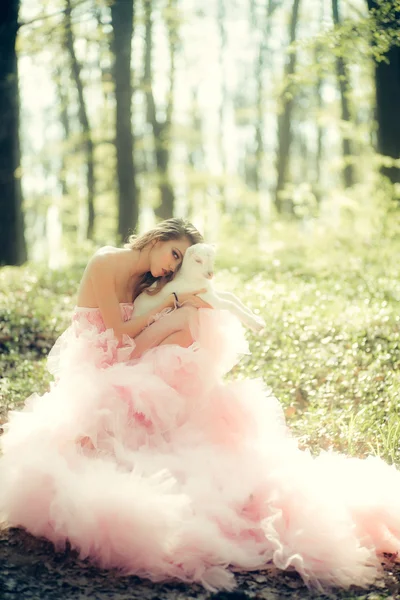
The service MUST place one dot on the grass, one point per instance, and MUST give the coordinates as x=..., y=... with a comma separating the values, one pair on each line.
x=330, y=350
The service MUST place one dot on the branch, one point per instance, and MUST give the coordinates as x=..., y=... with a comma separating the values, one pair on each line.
x=43, y=17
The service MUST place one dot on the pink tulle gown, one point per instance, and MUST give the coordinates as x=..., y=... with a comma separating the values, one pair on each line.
x=158, y=467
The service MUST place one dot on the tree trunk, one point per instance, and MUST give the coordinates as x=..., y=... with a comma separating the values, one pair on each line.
x=161, y=129
x=343, y=82
x=221, y=17
x=284, y=121
x=83, y=119
x=271, y=5
x=317, y=187
x=195, y=154
x=387, y=83
x=122, y=15
x=12, y=240
x=318, y=51
x=62, y=92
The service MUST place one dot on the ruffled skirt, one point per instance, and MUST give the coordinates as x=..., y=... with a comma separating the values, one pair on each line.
x=159, y=467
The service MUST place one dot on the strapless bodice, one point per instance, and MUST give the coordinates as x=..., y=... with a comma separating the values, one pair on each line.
x=85, y=317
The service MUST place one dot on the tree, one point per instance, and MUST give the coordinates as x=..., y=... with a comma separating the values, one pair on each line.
x=318, y=51
x=161, y=127
x=196, y=156
x=270, y=7
x=122, y=14
x=285, y=117
x=387, y=83
x=83, y=119
x=12, y=240
x=221, y=18
x=343, y=82
x=62, y=93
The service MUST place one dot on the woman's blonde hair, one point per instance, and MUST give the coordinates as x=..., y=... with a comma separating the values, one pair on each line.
x=170, y=229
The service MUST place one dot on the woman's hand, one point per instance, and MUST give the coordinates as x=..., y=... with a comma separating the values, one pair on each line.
x=192, y=299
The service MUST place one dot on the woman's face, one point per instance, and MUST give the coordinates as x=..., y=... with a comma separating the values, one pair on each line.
x=166, y=257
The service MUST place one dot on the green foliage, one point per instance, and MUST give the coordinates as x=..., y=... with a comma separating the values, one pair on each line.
x=384, y=20
x=331, y=347
x=374, y=34
x=34, y=304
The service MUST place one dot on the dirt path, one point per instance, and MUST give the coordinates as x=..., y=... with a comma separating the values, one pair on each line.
x=31, y=570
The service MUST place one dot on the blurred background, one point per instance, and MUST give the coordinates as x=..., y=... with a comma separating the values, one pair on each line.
x=273, y=125
x=241, y=115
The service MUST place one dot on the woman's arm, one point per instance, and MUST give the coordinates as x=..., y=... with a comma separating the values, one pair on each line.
x=136, y=324
x=103, y=282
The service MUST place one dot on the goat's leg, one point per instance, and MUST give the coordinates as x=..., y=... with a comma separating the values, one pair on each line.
x=224, y=302
x=232, y=298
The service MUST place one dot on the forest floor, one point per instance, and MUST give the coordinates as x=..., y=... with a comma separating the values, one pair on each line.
x=30, y=569
x=331, y=354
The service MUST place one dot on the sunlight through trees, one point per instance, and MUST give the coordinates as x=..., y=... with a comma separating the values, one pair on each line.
x=131, y=111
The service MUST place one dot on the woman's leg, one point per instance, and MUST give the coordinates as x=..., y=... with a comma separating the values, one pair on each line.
x=181, y=338
x=173, y=328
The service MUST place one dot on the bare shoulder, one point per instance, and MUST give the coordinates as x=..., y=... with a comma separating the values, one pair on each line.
x=100, y=271
x=104, y=256
x=102, y=265
x=106, y=253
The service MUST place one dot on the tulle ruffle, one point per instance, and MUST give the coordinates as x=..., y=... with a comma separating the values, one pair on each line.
x=159, y=467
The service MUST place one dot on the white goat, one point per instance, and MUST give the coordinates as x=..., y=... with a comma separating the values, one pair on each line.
x=196, y=273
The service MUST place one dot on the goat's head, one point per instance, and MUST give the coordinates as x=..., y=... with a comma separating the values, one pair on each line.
x=199, y=261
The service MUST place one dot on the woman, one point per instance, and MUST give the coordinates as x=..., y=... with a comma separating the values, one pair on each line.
x=146, y=460
x=116, y=276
